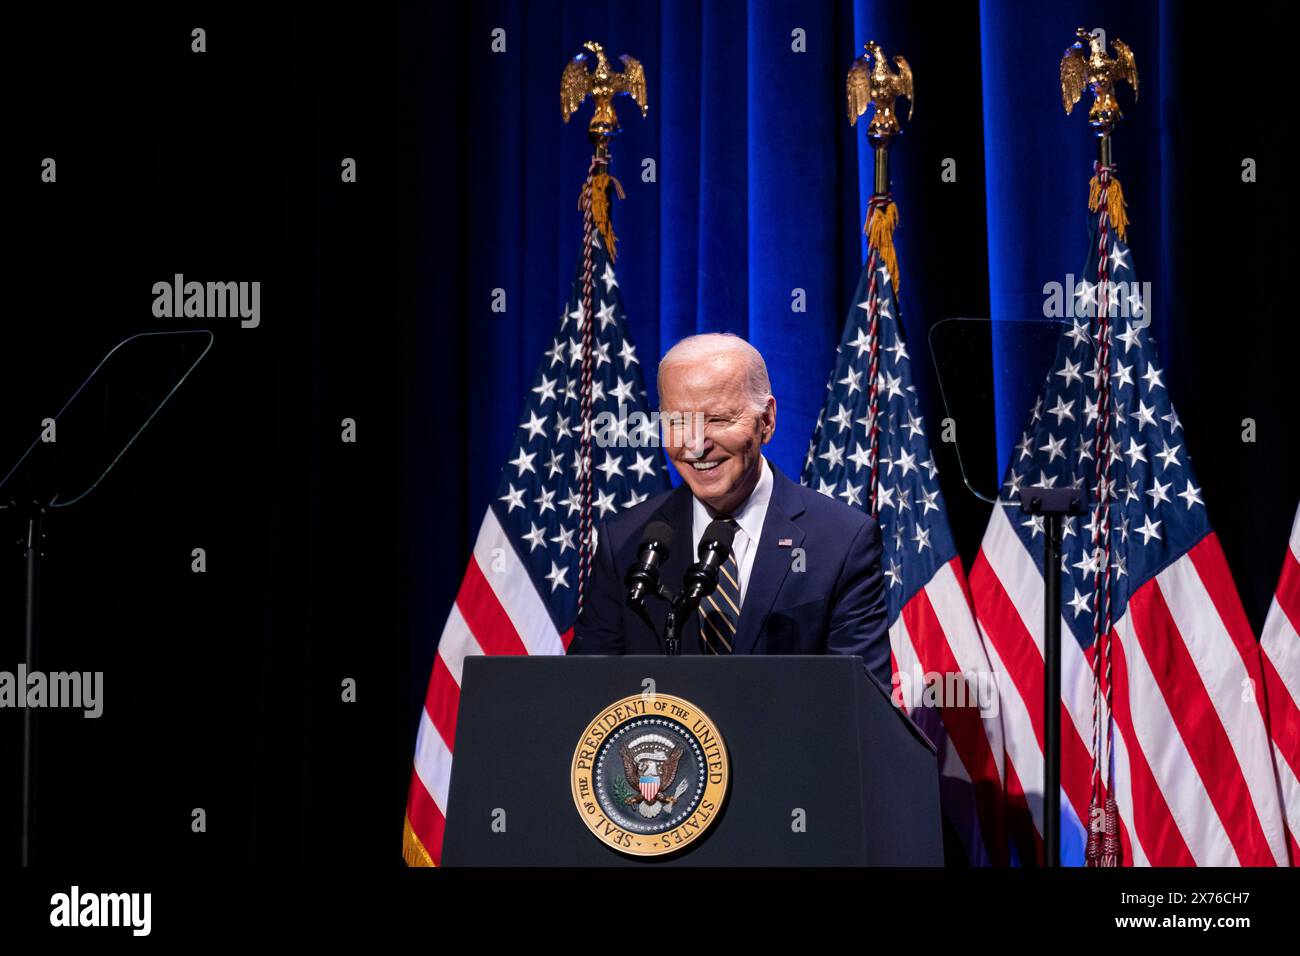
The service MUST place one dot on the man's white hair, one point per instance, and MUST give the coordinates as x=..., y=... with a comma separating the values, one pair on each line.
x=695, y=348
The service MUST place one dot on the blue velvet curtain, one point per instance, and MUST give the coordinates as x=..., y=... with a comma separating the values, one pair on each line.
x=745, y=182
x=754, y=203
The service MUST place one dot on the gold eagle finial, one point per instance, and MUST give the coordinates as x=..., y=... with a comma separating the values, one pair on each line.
x=602, y=84
x=1085, y=65
x=871, y=81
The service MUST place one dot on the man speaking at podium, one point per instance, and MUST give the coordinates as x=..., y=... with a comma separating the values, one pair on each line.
x=803, y=572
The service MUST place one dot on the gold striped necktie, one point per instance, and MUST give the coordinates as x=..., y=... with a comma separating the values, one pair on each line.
x=720, y=611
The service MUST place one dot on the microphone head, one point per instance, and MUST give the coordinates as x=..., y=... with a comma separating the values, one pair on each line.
x=658, y=532
x=643, y=577
x=719, y=534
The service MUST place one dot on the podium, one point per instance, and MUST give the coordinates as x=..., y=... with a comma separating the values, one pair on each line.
x=822, y=769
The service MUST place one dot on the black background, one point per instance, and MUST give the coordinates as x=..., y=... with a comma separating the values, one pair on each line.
x=223, y=689
x=327, y=560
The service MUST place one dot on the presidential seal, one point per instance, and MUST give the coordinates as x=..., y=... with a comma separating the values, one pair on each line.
x=650, y=774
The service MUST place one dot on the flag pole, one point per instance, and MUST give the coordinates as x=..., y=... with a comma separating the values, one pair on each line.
x=602, y=84
x=882, y=169
x=871, y=83
x=1086, y=67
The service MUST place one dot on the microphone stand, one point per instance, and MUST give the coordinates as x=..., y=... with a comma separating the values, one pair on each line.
x=672, y=629
x=670, y=640
x=680, y=609
x=677, y=613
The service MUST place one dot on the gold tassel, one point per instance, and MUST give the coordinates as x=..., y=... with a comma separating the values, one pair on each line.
x=599, y=186
x=413, y=851
x=879, y=230
x=1115, y=205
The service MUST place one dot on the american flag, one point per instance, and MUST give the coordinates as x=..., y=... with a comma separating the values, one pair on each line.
x=869, y=449
x=1280, y=647
x=1159, y=668
x=520, y=590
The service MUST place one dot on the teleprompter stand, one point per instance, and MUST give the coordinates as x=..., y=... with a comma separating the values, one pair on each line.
x=1053, y=504
x=74, y=452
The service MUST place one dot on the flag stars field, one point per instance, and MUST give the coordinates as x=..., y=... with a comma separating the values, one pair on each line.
x=930, y=623
x=519, y=594
x=1146, y=571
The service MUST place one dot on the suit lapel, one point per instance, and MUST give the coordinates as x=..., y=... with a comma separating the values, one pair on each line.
x=771, y=561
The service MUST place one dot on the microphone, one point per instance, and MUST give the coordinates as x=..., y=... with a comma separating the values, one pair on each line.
x=643, y=577
x=715, y=547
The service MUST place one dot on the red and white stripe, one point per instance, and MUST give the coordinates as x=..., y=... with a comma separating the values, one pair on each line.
x=497, y=611
x=1193, y=769
x=1280, y=648
x=936, y=634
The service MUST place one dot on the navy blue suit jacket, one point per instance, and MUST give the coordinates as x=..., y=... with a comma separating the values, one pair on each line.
x=816, y=585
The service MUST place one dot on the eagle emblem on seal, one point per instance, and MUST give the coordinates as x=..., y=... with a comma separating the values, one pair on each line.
x=650, y=767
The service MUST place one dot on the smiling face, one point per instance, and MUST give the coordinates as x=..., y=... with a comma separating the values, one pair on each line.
x=714, y=427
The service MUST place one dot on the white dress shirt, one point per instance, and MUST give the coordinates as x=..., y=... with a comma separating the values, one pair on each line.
x=749, y=519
